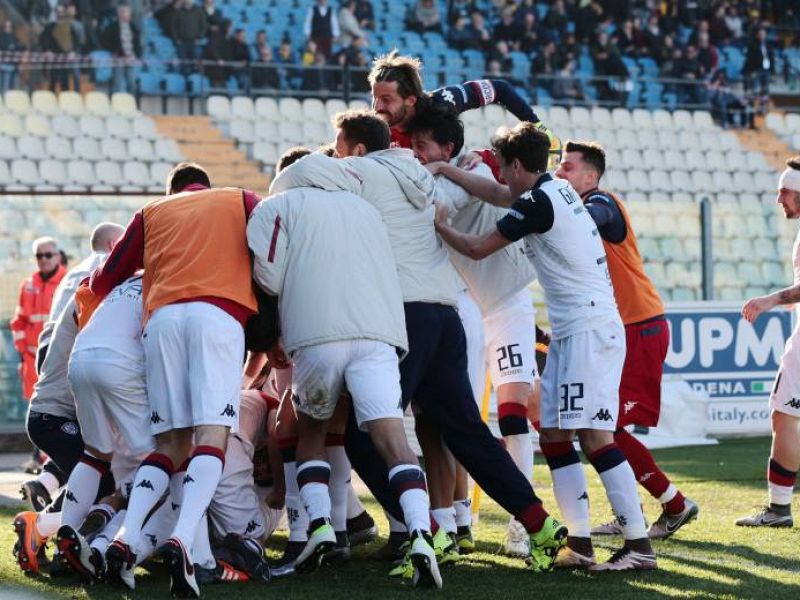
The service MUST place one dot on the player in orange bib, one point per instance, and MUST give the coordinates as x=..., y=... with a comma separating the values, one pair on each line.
x=646, y=332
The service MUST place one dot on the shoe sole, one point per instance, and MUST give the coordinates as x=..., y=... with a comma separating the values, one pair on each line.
x=70, y=548
x=314, y=560
x=647, y=567
x=24, y=560
x=257, y=570
x=424, y=575
x=179, y=585
x=337, y=557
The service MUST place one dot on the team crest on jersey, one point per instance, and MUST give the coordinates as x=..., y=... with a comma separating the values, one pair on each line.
x=70, y=428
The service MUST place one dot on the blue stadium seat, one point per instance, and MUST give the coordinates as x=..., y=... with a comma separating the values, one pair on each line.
x=174, y=83
x=149, y=83
x=101, y=60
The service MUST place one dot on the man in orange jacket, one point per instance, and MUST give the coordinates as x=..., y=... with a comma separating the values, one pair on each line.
x=35, y=298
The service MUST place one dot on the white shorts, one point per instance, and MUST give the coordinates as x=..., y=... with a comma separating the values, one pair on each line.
x=194, y=356
x=473, y=329
x=580, y=383
x=236, y=507
x=785, y=397
x=368, y=368
x=511, y=341
x=110, y=397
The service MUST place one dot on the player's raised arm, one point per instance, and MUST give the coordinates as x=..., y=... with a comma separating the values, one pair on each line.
x=484, y=188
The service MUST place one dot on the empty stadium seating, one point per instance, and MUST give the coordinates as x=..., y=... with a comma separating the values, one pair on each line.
x=79, y=143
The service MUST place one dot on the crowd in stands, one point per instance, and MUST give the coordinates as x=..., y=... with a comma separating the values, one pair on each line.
x=575, y=50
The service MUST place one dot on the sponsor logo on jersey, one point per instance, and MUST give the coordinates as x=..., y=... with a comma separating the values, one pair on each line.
x=228, y=411
x=70, y=428
x=628, y=406
x=145, y=483
x=603, y=415
x=487, y=91
x=793, y=403
x=155, y=418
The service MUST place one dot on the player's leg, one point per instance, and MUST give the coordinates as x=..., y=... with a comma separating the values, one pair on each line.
x=340, y=478
x=373, y=378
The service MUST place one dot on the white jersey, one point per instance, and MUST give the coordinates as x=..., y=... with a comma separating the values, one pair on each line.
x=496, y=278
x=66, y=291
x=563, y=243
x=52, y=394
x=116, y=324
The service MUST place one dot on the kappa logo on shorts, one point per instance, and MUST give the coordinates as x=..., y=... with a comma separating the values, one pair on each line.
x=228, y=411
x=584, y=496
x=145, y=483
x=175, y=506
x=793, y=403
x=603, y=415
x=153, y=539
x=71, y=497
x=155, y=418
x=70, y=428
x=251, y=526
x=188, y=479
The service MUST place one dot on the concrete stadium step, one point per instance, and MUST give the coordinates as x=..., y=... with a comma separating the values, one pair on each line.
x=200, y=141
x=764, y=140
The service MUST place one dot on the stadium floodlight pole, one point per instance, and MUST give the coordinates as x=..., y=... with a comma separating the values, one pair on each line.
x=707, y=256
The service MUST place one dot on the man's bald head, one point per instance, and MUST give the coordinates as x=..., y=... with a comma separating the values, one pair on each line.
x=105, y=235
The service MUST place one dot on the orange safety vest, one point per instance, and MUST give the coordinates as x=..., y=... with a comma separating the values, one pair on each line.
x=195, y=245
x=33, y=310
x=636, y=296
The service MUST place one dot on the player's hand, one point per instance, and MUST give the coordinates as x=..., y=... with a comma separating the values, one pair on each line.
x=469, y=161
x=754, y=307
x=435, y=168
x=277, y=357
x=276, y=498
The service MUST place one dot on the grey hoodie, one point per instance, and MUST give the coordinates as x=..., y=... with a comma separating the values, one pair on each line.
x=401, y=189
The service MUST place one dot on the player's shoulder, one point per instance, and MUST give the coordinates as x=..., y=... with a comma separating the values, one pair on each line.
x=602, y=196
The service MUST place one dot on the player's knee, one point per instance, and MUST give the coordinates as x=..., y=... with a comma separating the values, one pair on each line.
x=592, y=440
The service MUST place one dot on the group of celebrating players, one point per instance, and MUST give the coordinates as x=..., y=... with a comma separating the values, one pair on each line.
x=223, y=358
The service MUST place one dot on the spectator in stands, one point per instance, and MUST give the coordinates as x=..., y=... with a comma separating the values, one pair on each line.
x=459, y=8
x=500, y=53
x=122, y=39
x=309, y=56
x=322, y=26
x=8, y=43
x=566, y=87
x=707, y=54
x=654, y=38
x=520, y=8
x=759, y=64
x=586, y=20
x=569, y=47
x=508, y=29
x=265, y=74
x=424, y=16
x=215, y=54
x=214, y=17
x=287, y=56
x=624, y=39
x=164, y=14
x=494, y=70
x=355, y=58
x=188, y=25
x=478, y=31
x=318, y=78
x=666, y=56
x=557, y=20
x=546, y=66
x=733, y=21
x=262, y=41
x=608, y=64
x=532, y=37
x=39, y=13
x=688, y=68
x=718, y=31
x=365, y=14
x=238, y=53
x=349, y=26
x=727, y=107
x=459, y=36
x=64, y=37
x=35, y=297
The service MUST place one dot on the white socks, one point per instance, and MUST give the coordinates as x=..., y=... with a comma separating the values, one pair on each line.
x=199, y=484
x=408, y=482
x=339, y=485
x=296, y=514
x=312, y=478
x=446, y=518
x=354, y=506
x=82, y=486
x=569, y=486
x=150, y=483
x=463, y=512
x=620, y=484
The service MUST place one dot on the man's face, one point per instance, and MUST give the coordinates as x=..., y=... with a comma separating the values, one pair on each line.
x=510, y=174
x=790, y=201
x=427, y=150
x=47, y=257
x=389, y=105
x=124, y=14
x=343, y=149
x=575, y=170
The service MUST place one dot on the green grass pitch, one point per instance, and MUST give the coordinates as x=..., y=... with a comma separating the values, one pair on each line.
x=711, y=558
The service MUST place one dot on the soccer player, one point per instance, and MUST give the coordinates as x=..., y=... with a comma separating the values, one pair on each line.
x=580, y=384
x=498, y=284
x=397, y=92
x=784, y=459
x=197, y=295
x=352, y=338
x=646, y=335
x=107, y=376
x=434, y=374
